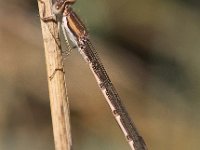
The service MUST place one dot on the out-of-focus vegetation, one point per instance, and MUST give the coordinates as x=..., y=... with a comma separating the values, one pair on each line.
x=151, y=51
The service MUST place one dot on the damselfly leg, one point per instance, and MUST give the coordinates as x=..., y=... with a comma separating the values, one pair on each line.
x=47, y=19
x=57, y=10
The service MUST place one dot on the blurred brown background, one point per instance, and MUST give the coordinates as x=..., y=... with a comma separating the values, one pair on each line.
x=149, y=48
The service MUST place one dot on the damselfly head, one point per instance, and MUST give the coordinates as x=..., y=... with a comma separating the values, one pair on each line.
x=59, y=5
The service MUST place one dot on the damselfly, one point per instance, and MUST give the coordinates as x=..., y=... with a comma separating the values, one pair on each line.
x=73, y=28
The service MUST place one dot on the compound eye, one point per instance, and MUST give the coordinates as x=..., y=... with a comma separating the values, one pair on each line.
x=57, y=8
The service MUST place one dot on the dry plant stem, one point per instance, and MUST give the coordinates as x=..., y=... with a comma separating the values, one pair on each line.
x=56, y=82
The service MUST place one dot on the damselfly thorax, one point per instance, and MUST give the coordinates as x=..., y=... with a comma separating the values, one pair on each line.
x=76, y=30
